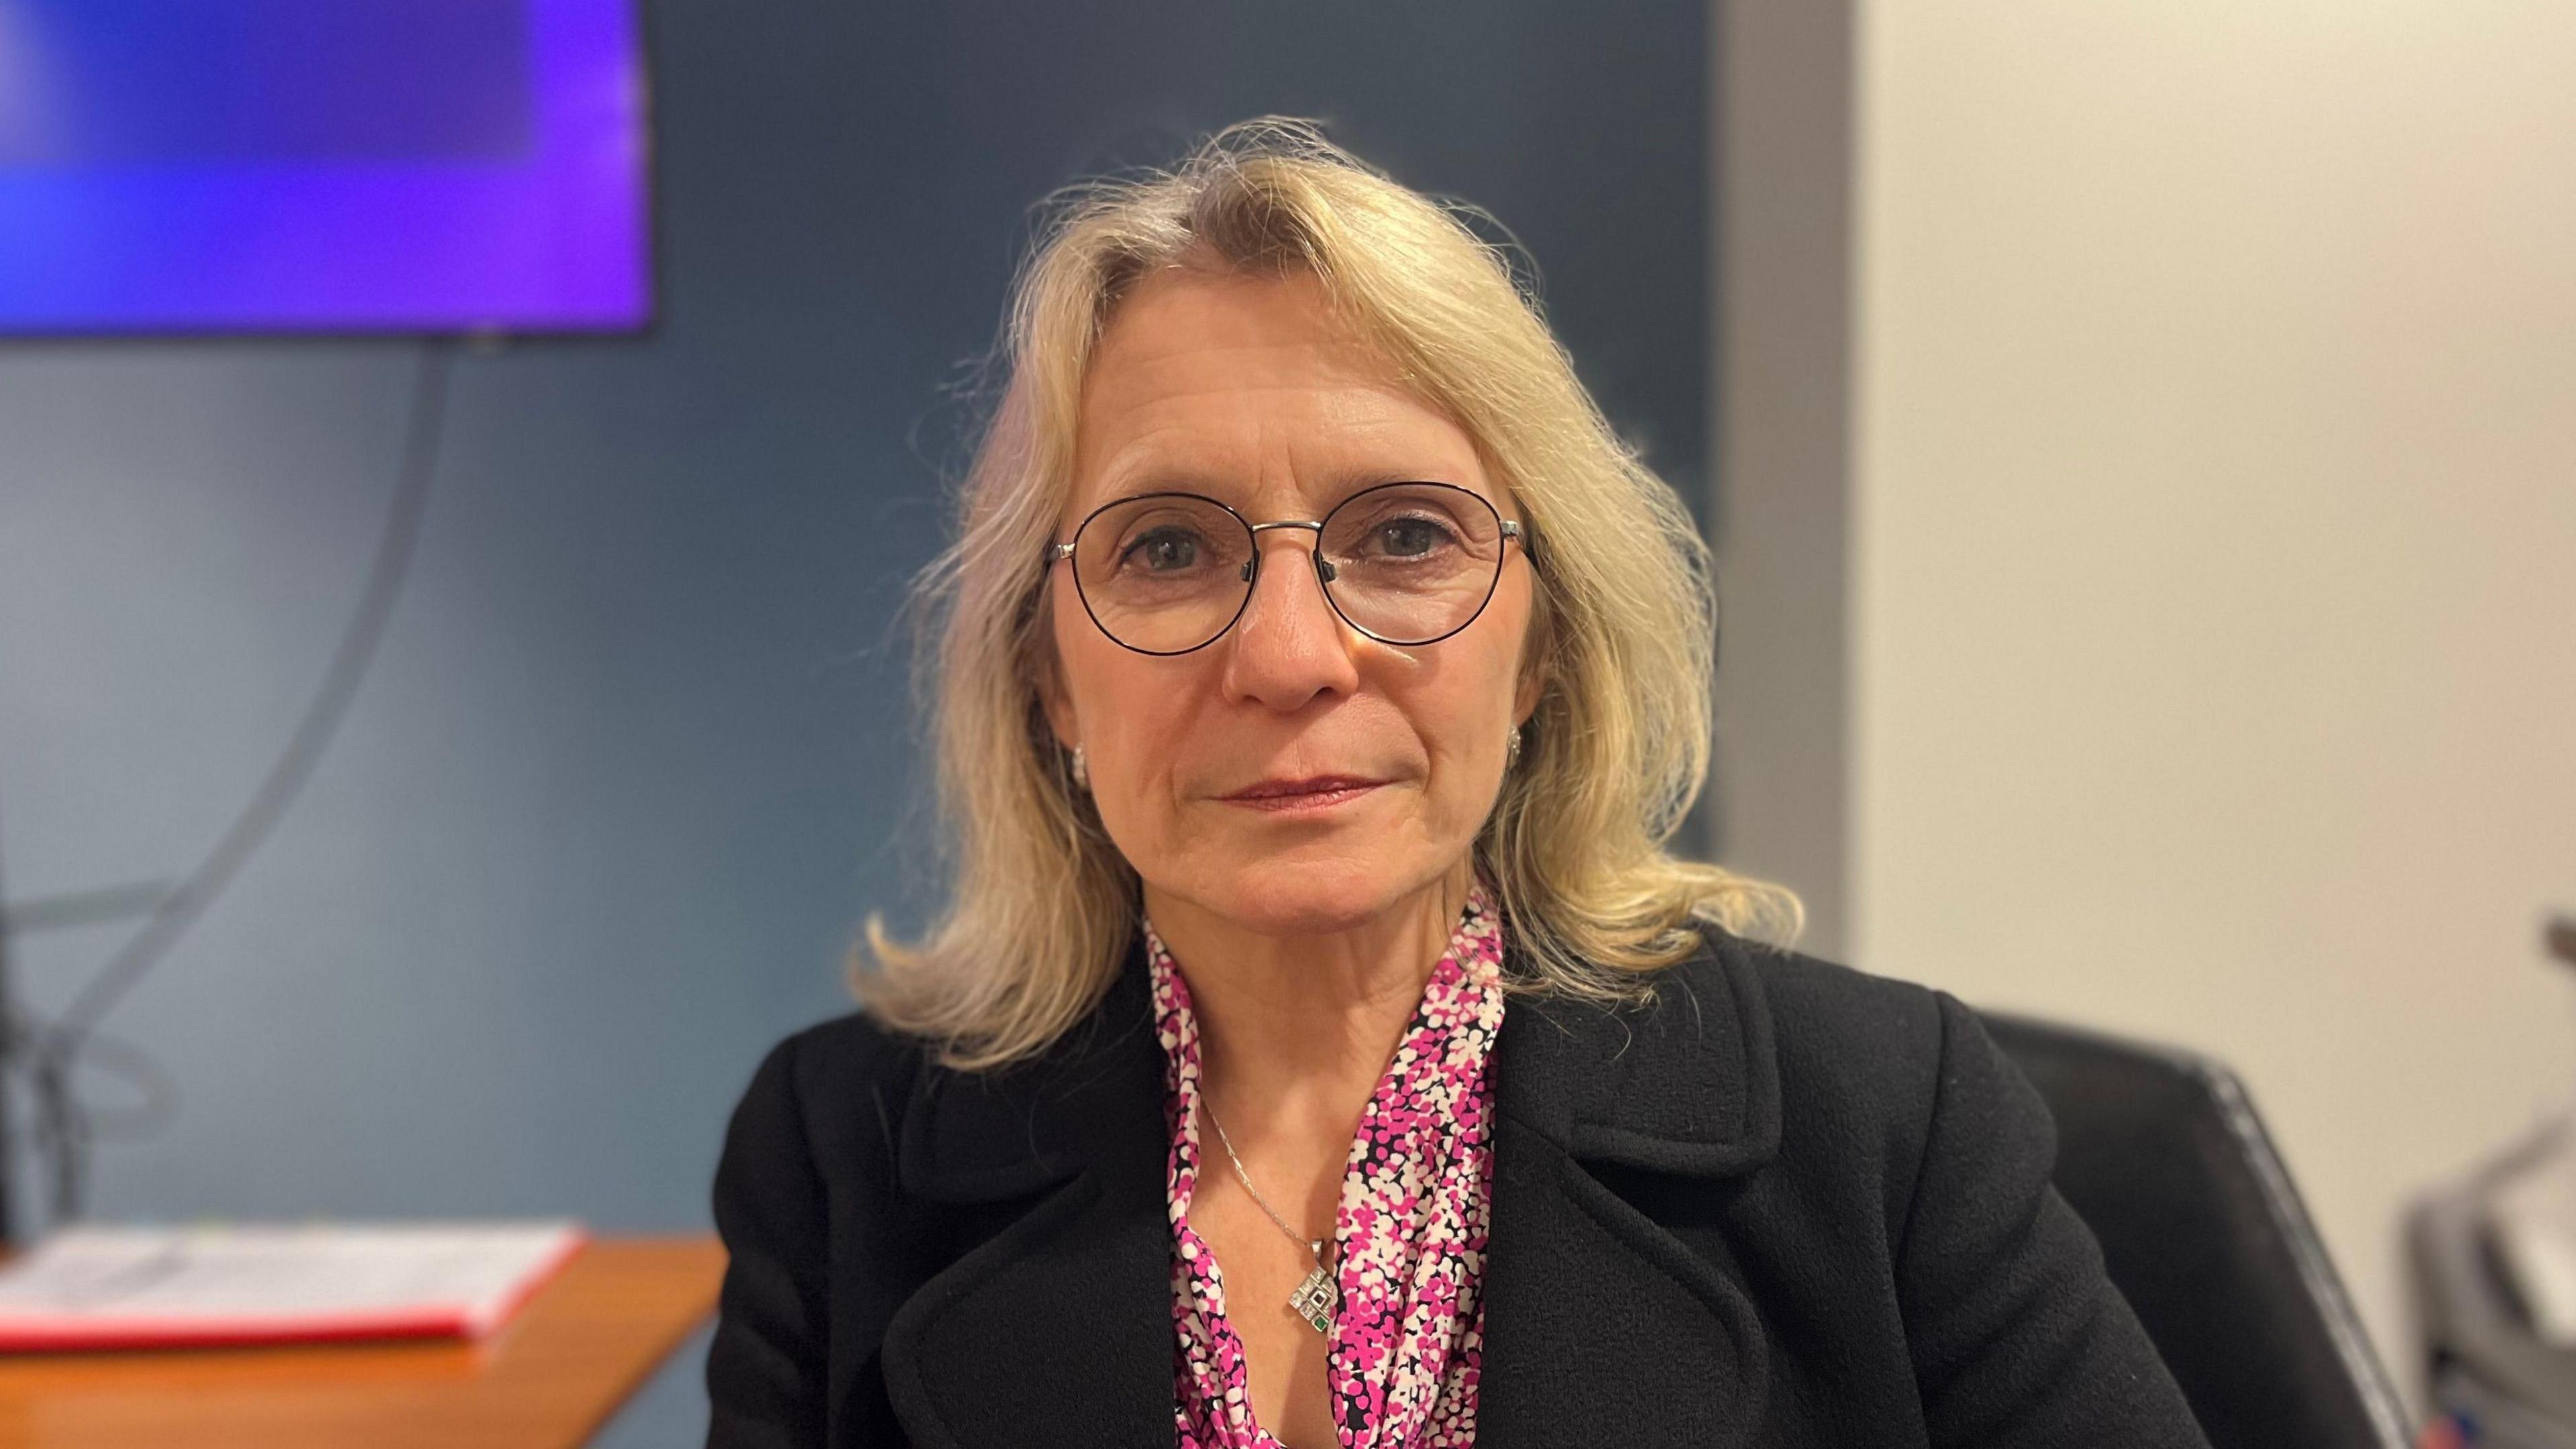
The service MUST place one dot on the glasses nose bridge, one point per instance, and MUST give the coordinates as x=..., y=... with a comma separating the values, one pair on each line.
x=1323, y=566
x=1251, y=573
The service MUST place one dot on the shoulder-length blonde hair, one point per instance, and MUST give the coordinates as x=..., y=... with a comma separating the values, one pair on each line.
x=1043, y=909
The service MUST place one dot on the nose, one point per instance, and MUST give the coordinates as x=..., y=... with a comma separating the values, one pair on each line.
x=1289, y=646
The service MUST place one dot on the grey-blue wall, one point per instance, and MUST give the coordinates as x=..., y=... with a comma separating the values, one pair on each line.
x=635, y=756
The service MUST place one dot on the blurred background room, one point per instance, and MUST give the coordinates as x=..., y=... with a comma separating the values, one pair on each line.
x=444, y=742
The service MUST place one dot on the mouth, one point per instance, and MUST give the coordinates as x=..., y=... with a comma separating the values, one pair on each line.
x=1314, y=793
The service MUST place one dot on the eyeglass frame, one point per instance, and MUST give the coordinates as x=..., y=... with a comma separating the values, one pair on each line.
x=1511, y=534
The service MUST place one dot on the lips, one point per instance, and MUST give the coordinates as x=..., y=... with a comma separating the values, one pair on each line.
x=1309, y=785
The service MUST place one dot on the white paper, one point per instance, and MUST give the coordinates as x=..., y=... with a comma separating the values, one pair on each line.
x=251, y=1274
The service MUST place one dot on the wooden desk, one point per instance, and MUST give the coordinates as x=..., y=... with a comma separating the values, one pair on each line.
x=546, y=1381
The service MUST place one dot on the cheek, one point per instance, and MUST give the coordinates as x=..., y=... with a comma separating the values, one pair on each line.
x=1090, y=668
x=1470, y=720
x=1129, y=712
x=1466, y=723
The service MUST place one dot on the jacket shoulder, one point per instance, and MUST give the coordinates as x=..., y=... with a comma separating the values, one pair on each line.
x=846, y=1083
x=852, y=1048
x=1859, y=1059
x=1895, y=1094
x=1830, y=1014
x=812, y=1234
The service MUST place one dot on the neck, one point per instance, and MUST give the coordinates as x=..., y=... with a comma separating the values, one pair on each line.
x=1296, y=1030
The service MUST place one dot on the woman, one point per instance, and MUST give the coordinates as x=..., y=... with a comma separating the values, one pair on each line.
x=1320, y=1047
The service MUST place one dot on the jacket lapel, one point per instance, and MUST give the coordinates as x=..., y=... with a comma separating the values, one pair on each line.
x=1057, y=1330
x=1615, y=1133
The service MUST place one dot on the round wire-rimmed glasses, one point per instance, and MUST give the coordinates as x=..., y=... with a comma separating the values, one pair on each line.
x=1407, y=563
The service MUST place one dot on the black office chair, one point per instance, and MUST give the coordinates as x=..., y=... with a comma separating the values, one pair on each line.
x=2161, y=1154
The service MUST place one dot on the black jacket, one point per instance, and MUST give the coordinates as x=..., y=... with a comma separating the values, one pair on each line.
x=1785, y=1204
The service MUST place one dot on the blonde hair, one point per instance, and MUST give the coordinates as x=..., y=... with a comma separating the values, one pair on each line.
x=1042, y=908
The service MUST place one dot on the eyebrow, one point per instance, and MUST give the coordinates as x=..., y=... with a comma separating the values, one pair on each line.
x=1159, y=480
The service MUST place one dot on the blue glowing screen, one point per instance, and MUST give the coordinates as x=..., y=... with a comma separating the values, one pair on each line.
x=322, y=165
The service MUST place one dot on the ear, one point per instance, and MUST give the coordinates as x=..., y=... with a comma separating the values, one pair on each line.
x=1525, y=698
x=1059, y=711
x=1053, y=697
x=1538, y=646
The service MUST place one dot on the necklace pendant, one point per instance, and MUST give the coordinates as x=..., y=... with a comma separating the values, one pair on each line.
x=1314, y=1300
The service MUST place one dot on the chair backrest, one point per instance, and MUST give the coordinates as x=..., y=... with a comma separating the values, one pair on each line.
x=2161, y=1154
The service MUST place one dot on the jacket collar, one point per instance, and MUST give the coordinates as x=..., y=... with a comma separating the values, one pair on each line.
x=1684, y=1088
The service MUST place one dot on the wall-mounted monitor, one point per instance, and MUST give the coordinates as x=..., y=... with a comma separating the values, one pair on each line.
x=236, y=166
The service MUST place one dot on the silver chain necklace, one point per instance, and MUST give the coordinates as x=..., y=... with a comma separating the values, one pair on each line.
x=1315, y=1298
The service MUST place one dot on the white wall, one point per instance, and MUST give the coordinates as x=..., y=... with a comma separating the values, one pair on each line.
x=2214, y=553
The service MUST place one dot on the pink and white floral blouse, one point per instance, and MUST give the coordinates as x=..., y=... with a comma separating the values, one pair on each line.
x=1408, y=1236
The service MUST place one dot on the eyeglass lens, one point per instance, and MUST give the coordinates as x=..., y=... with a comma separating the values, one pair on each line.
x=1406, y=563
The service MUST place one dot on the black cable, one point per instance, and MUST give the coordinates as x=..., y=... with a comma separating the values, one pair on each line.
x=156, y=1096
x=66, y=1124
x=63, y=1127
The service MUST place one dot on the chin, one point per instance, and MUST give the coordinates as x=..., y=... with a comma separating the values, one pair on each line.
x=1292, y=897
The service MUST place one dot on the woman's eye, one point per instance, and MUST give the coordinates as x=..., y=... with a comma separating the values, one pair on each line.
x=1410, y=537
x=1164, y=551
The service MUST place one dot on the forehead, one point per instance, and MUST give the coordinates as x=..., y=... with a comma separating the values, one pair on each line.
x=1241, y=386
